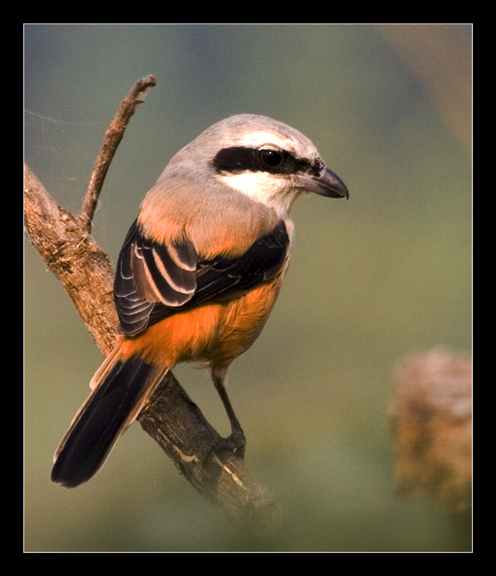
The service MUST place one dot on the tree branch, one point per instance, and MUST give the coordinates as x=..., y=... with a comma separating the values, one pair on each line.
x=113, y=136
x=83, y=269
x=170, y=418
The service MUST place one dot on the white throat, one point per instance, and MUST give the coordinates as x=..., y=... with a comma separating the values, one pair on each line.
x=273, y=192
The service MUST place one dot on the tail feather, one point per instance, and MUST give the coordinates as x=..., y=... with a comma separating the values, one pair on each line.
x=112, y=406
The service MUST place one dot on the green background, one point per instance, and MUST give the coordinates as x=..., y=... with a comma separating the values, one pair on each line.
x=372, y=279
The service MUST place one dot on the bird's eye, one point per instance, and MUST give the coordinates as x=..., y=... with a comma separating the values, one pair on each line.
x=271, y=158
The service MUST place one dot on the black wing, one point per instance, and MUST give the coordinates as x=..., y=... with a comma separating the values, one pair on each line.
x=154, y=281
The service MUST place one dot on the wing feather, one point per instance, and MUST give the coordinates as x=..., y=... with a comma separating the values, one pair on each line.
x=154, y=281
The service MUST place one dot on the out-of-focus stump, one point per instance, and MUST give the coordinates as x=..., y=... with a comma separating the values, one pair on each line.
x=431, y=416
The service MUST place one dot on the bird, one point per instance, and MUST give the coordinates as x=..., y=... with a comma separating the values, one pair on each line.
x=198, y=274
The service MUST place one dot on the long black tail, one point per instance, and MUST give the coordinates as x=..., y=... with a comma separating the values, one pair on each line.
x=111, y=407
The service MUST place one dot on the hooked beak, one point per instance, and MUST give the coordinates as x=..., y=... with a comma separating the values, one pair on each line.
x=326, y=184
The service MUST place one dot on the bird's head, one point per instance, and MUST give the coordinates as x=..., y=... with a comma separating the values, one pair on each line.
x=262, y=158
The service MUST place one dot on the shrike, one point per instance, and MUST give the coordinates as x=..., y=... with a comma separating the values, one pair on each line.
x=198, y=274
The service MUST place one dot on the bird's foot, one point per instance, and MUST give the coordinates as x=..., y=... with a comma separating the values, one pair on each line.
x=235, y=443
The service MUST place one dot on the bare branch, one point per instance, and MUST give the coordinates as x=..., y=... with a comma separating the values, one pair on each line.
x=171, y=418
x=84, y=270
x=113, y=136
x=177, y=424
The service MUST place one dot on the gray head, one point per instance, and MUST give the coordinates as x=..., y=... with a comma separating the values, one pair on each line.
x=267, y=160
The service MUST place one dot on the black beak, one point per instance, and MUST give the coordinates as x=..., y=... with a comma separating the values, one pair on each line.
x=326, y=184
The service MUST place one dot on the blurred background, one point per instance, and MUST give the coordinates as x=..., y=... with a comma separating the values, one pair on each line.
x=372, y=279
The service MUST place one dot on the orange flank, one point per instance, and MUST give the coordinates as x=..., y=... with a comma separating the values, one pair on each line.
x=219, y=332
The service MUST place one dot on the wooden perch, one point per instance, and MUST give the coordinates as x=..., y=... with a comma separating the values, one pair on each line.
x=170, y=418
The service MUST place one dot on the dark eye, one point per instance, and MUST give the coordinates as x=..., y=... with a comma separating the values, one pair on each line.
x=271, y=158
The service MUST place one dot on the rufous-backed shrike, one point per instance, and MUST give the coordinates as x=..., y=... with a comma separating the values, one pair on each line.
x=198, y=274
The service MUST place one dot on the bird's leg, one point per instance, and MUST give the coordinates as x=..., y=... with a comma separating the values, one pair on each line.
x=236, y=442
